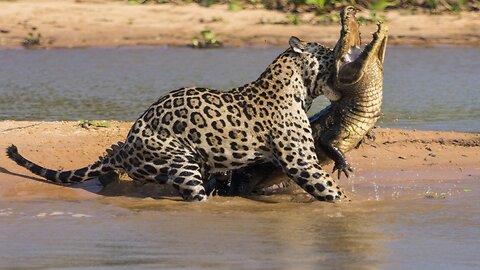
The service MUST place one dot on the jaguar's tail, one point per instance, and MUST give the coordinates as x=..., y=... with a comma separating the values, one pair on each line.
x=104, y=165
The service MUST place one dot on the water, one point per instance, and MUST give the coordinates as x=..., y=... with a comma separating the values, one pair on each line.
x=432, y=88
x=390, y=226
x=425, y=88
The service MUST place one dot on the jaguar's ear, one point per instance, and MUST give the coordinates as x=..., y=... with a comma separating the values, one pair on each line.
x=297, y=45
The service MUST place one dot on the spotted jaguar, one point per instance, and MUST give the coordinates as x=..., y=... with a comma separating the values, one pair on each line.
x=191, y=133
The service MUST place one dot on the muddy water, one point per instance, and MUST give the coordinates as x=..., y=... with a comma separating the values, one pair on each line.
x=425, y=88
x=420, y=223
x=393, y=223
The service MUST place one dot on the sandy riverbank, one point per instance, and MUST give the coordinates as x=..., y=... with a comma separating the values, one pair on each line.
x=72, y=24
x=396, y=155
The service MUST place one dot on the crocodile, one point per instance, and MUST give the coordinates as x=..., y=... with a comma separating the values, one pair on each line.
x=357, y=83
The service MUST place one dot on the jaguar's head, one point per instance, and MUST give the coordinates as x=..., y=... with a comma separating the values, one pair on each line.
x=331, y=72
x=315, y=62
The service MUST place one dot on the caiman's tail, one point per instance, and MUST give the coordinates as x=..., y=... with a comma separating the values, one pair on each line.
x=104, y=165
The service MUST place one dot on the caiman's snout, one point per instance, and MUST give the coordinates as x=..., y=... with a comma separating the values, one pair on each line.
x=351, y=62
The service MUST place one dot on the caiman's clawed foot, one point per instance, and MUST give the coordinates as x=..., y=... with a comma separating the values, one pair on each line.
x=343, y=166
x=371, y=135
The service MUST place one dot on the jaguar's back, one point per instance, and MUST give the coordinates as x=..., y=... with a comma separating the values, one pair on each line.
x=192, y=132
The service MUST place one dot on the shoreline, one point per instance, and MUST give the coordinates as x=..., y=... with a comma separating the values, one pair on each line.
x=396, y=156
x=117, y=24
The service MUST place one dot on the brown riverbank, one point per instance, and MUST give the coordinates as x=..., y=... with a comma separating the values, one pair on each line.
x=402, y=156
x=73, y=24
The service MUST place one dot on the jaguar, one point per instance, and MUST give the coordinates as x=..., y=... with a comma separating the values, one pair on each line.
x=191, y=133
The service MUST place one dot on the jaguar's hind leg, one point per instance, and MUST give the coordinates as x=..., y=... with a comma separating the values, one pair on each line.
x=182, y=174
x=187, y=179
x=220, y=184
x=166, y=161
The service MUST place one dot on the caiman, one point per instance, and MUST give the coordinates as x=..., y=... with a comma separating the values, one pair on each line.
x=357, y=83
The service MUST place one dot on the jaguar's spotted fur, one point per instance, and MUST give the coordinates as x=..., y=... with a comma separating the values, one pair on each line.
x=192, y=132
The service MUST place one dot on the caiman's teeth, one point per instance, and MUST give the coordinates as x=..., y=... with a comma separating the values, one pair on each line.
x=353, y=53
x=346, y=58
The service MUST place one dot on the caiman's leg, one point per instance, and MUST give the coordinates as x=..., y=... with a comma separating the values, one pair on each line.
x=370, y=136
x=241, y=181
x=220, y=184
x=328, y=145
x=109, y=178
x=237, y=182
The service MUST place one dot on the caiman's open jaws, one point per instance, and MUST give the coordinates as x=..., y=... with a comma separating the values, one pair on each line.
x=351, y=62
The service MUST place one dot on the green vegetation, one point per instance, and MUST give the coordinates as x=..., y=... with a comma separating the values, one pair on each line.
x=373, y=18
x=329, y=6
x=88, y=124
x=436, y=195
x=327, y=10
x=380, y=5
x=294, y=19
x=207, y=40
x=235, y=6
x=33, y=39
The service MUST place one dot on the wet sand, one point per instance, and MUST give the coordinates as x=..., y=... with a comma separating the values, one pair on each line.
x=404, y=155
x=415, y=205
x=414, y=193
x=98, y=23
